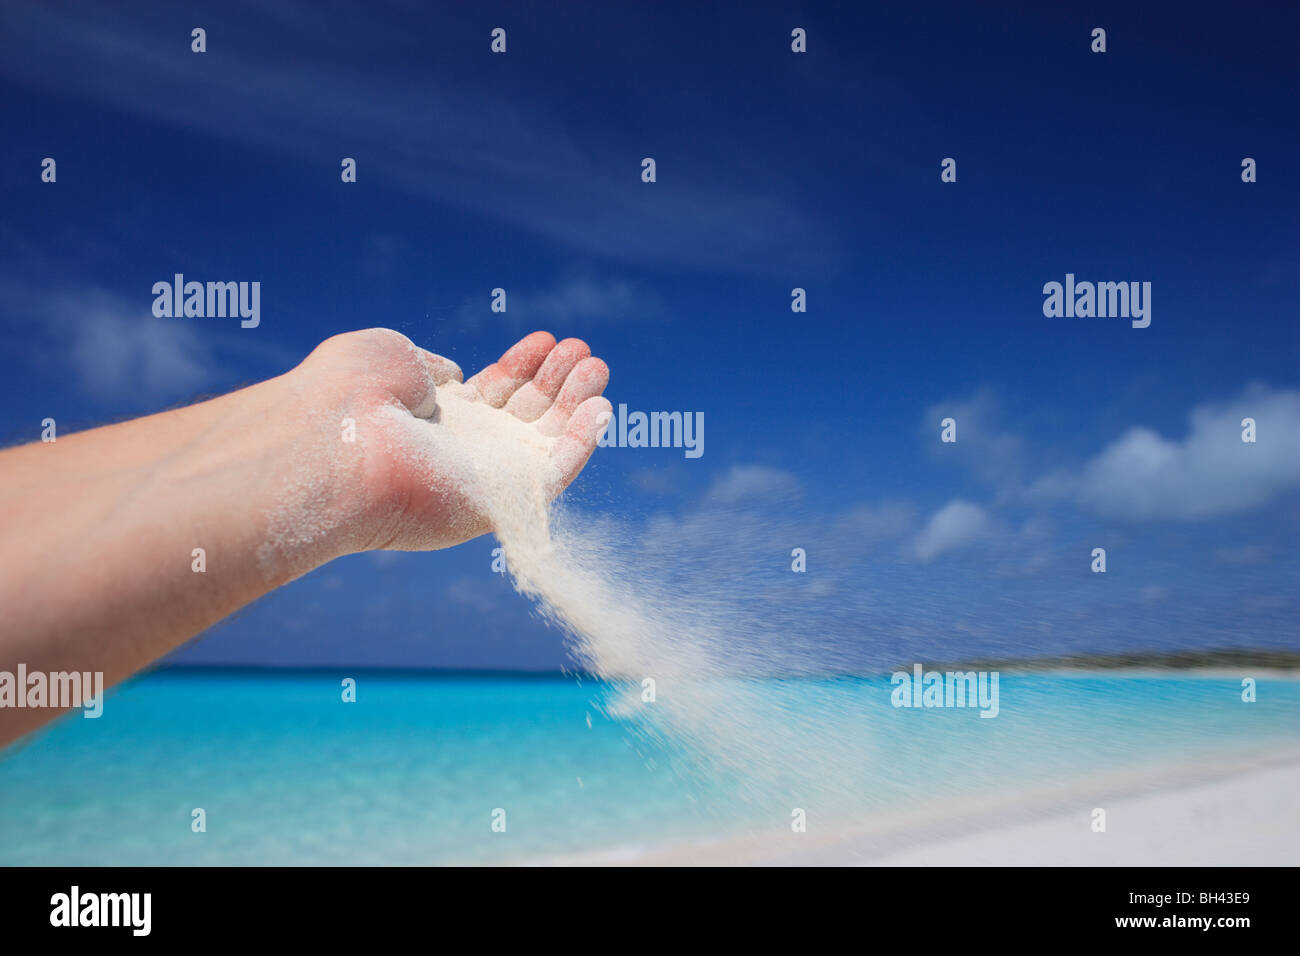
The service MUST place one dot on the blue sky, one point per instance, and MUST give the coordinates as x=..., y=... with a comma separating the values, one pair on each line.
x=775, y=170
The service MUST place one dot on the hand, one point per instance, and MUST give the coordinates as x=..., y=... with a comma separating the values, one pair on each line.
x=390, y=493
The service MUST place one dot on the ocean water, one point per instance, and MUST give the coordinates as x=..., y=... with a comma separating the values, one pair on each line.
x=412, y=772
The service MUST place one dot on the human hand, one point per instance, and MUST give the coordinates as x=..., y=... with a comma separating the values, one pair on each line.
x=401, y=484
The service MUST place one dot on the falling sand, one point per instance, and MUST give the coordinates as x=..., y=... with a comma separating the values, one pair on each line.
x=711, y=650
x=689, y=654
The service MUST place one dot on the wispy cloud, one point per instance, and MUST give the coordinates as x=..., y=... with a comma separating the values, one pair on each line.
x=747, y=484
x=994, y=455
x=509, y=157
x=93, y=343
x=868, y=524
x=585, y=298
x=655, y=481
x=1245, y=555
x=112, y=348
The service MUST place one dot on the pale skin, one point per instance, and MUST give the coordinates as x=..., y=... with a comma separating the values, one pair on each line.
x=97, y=529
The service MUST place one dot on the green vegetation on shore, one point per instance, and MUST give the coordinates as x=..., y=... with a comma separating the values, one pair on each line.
x=1178, y=660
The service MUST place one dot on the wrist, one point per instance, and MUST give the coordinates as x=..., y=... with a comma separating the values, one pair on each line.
x=315, y=501
x=239, y=472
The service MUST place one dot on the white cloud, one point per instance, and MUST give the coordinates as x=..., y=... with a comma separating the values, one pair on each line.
x=746, y=483
x=957, y=524
x=992, y=455
x=115, y=349
x=582, y=298
x=1245, y=555
x=119, y=351
x=585, y=297
x=1210, y=472
x=866, y=523
x=655, y=481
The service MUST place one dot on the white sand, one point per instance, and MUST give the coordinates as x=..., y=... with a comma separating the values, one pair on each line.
x=1248, y=820
x=1243, y=813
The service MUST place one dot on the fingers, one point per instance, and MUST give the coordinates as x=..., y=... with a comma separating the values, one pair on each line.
x=535, y=397
x=581, y=433
x=588, y=379
x=442, y=369
x=496, y=383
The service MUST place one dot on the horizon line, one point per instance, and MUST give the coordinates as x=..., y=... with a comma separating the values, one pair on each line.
x=1272, y=658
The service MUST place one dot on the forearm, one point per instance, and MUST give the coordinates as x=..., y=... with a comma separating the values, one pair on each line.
x=99, y=531
x=119, y=544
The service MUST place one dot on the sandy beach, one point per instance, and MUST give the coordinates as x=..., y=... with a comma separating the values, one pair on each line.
x=1251, y=819
x=1238, y=811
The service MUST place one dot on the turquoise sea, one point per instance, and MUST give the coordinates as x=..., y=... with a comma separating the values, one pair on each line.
x=412, y=772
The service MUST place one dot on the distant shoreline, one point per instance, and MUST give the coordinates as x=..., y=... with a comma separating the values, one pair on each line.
x=1276, y=660
x=1209, y=660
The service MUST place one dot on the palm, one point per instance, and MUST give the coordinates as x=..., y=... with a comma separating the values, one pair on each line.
x=554, y=388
